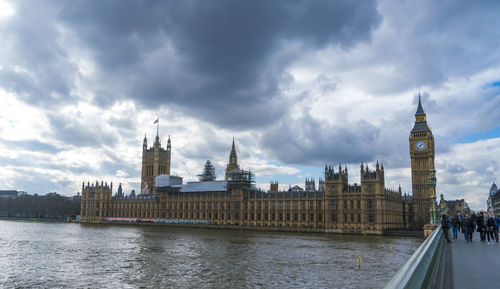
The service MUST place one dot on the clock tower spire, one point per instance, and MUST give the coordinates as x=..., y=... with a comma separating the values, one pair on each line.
x=422, y=161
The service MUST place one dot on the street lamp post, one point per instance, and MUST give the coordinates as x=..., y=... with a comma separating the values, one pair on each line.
x=434, y=211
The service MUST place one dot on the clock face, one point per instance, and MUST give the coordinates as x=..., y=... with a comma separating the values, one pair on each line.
x=420, y=145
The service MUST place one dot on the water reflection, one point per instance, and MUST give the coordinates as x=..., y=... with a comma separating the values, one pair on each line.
x=72, y=255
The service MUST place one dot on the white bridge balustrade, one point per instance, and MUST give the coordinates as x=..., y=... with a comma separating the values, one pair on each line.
x=421, y=270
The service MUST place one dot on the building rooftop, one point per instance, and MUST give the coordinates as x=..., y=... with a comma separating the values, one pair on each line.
x=206, y=186
x=8, y=193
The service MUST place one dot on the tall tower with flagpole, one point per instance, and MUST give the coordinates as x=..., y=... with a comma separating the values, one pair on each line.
x=156, y=160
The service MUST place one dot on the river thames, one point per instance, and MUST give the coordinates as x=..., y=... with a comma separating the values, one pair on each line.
x=52, y=255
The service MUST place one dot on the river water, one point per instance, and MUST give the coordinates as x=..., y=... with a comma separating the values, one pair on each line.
x=61, y=255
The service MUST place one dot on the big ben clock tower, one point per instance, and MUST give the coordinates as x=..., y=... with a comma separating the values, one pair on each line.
x=422, y=160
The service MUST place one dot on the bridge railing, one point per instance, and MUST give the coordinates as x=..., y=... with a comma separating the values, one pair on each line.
x=421, y=269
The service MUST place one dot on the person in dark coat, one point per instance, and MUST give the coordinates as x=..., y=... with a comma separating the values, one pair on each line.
x=455, y=226
x=495, y=228
x=489, y=224
x=445, y=226
x=468, y=228
x=473, y=217
x=480, y=227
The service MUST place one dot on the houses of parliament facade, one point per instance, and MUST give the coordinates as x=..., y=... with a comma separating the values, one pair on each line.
x=334, y=206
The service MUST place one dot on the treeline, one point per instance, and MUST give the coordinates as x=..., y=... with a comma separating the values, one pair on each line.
x=49, y=206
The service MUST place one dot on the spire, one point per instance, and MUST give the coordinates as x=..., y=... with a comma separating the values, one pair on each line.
x=420, y=110
x=169, y=143
x=233, y=158
x=233, y=161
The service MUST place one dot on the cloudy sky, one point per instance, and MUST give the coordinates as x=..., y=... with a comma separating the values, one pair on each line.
x=297, y=83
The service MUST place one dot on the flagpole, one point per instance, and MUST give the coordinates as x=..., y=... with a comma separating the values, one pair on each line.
x=158, y=126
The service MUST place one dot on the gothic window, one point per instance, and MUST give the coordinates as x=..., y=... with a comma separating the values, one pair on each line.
x=333, y=204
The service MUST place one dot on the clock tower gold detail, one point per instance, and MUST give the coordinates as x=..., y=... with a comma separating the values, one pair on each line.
x=422, y=160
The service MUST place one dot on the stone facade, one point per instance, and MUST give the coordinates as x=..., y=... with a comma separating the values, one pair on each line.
x=155, y=162
x=422, y=160
x=335, y=206
x=97, y=201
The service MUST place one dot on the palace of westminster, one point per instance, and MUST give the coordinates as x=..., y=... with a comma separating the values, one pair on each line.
x=334, y=206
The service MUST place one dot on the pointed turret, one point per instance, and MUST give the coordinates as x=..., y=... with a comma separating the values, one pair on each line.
x=233, y=161
x=420, y=110
x=420, y=117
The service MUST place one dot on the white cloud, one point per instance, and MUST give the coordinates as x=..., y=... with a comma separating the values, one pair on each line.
x=6, y=9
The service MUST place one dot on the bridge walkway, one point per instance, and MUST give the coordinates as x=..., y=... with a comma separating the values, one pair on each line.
x=475, y=264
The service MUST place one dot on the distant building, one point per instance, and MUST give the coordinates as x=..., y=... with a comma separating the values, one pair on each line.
x=337, y=207
x=8, y=194
x=491, y=198
x=452, y=207
x=334, y=206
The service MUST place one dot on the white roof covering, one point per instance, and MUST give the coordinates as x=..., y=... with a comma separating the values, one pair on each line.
x=208, y=186
x=166, y=181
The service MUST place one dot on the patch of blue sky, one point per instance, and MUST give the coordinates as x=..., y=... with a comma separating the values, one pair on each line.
x=491, y=84
x=289, y=179
x=473, y=137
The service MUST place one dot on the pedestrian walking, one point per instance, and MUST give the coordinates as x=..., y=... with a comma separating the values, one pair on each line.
x=460, y=221
x=480, y=226
x=497, y=225
x=455, y=226
x=473, y=217
x=468, y=228
x=445, y=226
x=490, y=224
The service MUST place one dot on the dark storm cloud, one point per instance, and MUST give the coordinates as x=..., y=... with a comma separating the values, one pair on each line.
x=222, y=61
x=32, y=145
x=308, y=141
x=80, y=132
x=38, y=68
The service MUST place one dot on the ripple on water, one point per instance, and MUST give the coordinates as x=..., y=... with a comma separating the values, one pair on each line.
x=48, y=255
